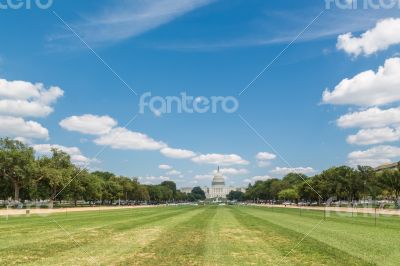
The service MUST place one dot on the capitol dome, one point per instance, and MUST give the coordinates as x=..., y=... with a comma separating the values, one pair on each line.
x=218, y=180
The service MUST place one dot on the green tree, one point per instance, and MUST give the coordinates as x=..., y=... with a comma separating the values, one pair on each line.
x=288, y=194
x=76, y=189
x=197, y=194
x=293, y=179
x=93, y=186
x=371, y=184
x=171, y=185
x=166, y=193
x=112, y=190
x=180, y=196
x=236, y=195
x=16, y=164
x=390, y=180
x=155, y=193
x=55, y=173
x=141, y=193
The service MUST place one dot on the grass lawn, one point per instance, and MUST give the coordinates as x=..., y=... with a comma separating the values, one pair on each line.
x=198, y=235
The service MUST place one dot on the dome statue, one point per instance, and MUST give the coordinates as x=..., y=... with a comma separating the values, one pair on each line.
x=218, y=180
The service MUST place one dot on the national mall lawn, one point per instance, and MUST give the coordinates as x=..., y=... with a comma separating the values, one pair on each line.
x=200, y=235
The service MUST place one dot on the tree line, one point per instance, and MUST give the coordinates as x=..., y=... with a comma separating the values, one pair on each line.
x=340, y=183
x=25, y=176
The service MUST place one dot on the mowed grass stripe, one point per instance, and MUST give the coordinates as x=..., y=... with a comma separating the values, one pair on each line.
x=231, y=243
x=310, y=251
x=15, y=222
x=184, y=244
x=121, y=245
x=47, y=227
x=357, y=236
x=52, y=241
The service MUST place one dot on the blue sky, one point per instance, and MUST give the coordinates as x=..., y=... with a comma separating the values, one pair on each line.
x=204, y=48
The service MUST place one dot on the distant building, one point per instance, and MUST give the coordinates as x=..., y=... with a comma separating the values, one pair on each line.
x=218, y=188
x=387, y=167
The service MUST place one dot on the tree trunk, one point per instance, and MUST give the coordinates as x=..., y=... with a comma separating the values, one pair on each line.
x=52, y=198
x=16, y=191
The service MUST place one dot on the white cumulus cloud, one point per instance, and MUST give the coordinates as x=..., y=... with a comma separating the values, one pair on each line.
x=165, y=167
x=124, y=139
x=174, y=172
x=150, y=180
x=25, y=99
x=370, y=118
x=177, y=153
x=232, y=171
x=89, y=124
x=381, y=37
x=76, y=155
x=203, y=177
x=374, y=156
x=220, y=159
x=257, y=178
x=368, y=88
x=374, y=136
x=18, y=127
x=264, y=158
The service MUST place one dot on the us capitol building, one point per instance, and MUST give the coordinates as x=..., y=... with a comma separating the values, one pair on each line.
x=218, y=188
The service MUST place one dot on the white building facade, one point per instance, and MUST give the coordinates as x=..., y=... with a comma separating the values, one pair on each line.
x=218, y=188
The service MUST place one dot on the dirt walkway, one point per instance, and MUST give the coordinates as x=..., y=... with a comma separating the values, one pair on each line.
x=337, y=209
x=5, y=212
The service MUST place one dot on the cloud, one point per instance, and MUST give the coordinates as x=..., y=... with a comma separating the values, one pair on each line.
x=263, y=156
x=282, y=26
x=89, y=124
x=370, y=118
x=381, y=37
x=257, y=178
x=232, y=171
x=288, y=170
x=374, y=156
x=173, y=172
x=264, y=159
x=164, y=167
x=374, y=136
x=150, y=180
x=124, y=139
x=177, y=153
x=26, y=141
x=126, y=19
x=203, y=177
x=22, y=108
x=220, y=159
x=18, y=127
x=368, y=88
x=25, y=99
x=76, y=156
